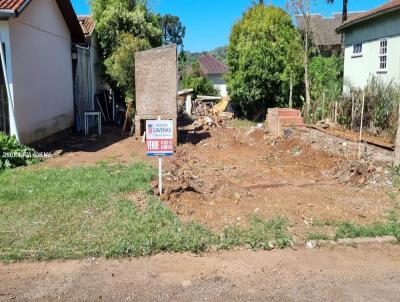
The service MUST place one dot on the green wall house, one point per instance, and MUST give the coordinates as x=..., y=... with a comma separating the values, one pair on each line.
x=372, y=45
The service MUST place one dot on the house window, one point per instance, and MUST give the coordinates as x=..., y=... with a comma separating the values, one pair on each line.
x=383, y=54
x=382, y=62
x=357, y=49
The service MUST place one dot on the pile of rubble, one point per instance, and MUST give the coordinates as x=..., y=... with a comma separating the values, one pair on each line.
x=362, y=172
x=210, y=115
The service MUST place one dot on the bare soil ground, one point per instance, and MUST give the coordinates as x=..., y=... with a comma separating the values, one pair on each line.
x=224, y=177
x=366, y=273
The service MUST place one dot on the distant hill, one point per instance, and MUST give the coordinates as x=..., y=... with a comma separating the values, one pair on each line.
x=218, y=53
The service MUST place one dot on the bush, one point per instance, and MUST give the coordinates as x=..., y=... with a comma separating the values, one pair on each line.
x=23, y=154
x=325, y=79
x=380, y=109
x=200, y=85
x=257, y=58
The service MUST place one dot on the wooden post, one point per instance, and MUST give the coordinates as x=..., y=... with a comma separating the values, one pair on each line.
x=352, y=112
x=336, y=104
x=397, y=143
x=361, y=124
x=128, y=111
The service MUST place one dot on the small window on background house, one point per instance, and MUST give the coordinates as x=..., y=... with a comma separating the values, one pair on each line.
x=383, y=54
x=357, y=49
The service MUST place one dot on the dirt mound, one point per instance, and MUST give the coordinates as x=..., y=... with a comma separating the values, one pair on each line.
x=234, y=174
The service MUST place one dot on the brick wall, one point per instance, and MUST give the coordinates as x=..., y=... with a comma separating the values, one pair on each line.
x=279, y=119
x=156, y=79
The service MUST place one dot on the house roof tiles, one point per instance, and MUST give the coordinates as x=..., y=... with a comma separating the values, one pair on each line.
x=12, y=8
x=324, y=28
x=13, y=5
x=87, y=23
x=386, y=8
x=211, y=66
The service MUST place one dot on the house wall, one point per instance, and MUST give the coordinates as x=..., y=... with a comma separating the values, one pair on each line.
x=384, y=26
x=358, y=69
x=5, y=38
x=42, y=71
x=219, y=84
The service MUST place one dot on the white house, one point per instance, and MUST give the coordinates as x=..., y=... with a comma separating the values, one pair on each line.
x=36, y=91
x=372, y=45
x=214, y=70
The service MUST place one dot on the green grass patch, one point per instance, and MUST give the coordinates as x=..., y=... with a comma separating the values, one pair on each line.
x=77, y=213
x=378, y=229
x=80, y=212
x=261, y=234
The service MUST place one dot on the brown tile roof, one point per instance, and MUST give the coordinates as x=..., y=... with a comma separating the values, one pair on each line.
x=14, y=5
x=12, y=8
x=211, y=66
x=324, y=28
x=383, y=9
x=87, y=23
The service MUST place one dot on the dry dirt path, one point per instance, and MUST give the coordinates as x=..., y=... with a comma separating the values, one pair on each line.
x=366, y=273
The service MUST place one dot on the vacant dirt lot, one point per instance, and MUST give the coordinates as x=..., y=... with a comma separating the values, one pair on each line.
x=224, y=177
x=366, y=273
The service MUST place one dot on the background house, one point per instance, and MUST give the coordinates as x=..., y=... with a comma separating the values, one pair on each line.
x=324, y=34
x=372, y=45
x=37, y=88
x=88, y=75
x=214, y=70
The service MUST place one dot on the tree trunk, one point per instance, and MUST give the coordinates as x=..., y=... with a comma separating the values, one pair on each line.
x=397, y=144
x=290, y=92
x=345, y=11
x=306, y=75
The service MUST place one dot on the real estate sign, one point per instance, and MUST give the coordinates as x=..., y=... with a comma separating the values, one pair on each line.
x=160, y=138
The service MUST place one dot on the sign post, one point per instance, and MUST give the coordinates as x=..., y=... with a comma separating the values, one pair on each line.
x=160, y=143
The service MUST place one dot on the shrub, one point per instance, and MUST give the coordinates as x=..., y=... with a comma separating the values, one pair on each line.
x=326, y=83
x=23, y=154
x=258, y=59
x=200, y=85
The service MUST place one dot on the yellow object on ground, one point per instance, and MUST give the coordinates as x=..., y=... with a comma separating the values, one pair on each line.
x=221, y=106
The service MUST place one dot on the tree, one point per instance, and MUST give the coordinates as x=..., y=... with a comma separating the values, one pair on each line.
x=257, y=58
x=120, y=65
x=115, y=17
x=124, y=27
x=173, y=30
x=345, y=9
x=303, y=7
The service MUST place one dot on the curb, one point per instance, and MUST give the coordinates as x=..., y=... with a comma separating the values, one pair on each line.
x=350, y=241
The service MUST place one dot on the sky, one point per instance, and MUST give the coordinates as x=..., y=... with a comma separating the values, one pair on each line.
x=208, y=22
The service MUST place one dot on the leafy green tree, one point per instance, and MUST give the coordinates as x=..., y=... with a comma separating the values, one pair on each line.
x=257, y=58
x=173, y=30
x=114, y=17
x=124, y=27
x=121, y=64
x=201, y=85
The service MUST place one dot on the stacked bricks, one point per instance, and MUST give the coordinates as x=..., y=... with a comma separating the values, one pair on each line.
x=279, y=119
x=156, y=79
